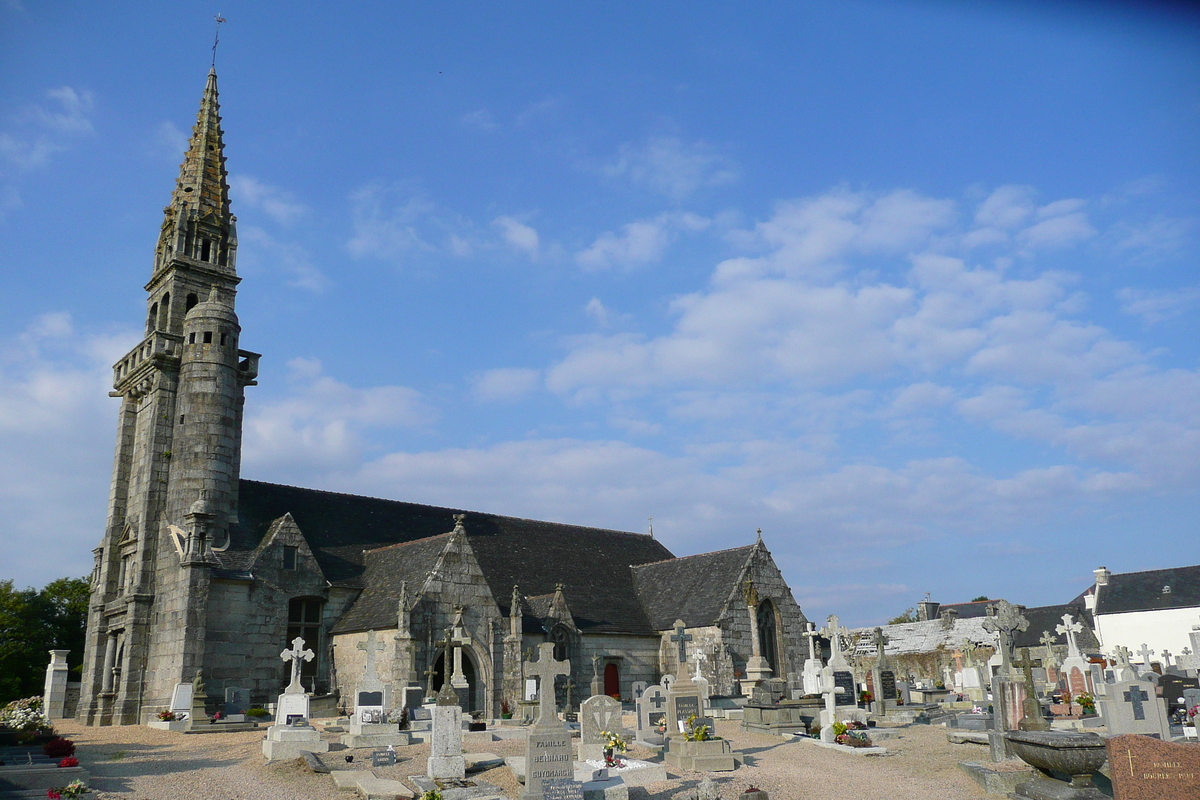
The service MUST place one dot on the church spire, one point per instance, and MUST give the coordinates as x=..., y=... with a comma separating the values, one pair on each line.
x=198, y=223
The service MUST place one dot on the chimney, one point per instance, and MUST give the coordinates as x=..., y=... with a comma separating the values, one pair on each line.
x=927, y=610
x=1102, y=576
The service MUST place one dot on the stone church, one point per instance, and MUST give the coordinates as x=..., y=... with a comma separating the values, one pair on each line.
x=201, y=570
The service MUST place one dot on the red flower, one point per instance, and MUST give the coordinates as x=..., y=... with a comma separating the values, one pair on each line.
x=52, y=794
x=69, y=762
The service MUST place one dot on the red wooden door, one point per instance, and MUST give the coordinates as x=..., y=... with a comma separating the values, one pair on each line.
x=612, y=681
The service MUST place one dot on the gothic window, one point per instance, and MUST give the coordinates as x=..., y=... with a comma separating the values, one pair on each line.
x=304, y=620
x=152, y=319
x=768, y=640
x=164, y=312
x=191, y=301
x=561, y=638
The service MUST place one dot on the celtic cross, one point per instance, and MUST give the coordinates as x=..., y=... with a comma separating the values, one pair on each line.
x=1004, y=619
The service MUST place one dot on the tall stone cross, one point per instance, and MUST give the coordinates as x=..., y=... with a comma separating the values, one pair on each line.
x=811, y=634
x=446, y=695
x=1070, y=627
x=1136, y=696
x=1004, y=619
x=835, y=633
x=880, y=641
x=547, y=669
x=681, y=637
x=296, y=655
x=1145, y=652
x=371, y=646
x=1166, y=658
x=1032, y=710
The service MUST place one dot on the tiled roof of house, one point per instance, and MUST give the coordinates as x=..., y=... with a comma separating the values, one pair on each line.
x=693, y=589
x=1151, y=590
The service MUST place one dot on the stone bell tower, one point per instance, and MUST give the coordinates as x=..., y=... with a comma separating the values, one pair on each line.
x=178, y=456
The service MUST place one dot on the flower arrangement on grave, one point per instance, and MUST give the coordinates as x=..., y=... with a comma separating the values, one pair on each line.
x=505, y=709
x=25, y=715
x=613, y=742
x=69, y=761
x=71, y=790
x=693, y=731
x=167, y=716
x=432, y=794
x=865, y=696
x=851, y=734
x=59, y=748
x=216, y=717
x=1087, y=703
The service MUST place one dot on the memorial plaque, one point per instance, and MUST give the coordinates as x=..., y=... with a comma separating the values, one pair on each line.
x=887, y=688
x=370, y=699
x=655, y=718
x=847, y=697
x=181, y=699
x=383, y=758
x=1144, y=768
x=687, y=705
x=562, y=790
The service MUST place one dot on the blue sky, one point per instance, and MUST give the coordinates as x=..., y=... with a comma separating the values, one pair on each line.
x=913, y=287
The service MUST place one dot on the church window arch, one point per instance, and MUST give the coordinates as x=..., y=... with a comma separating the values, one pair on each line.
x=768, y=635
x=192, y=300
x=304, y=621
x=164, y=312
x=205, y=249
x=152, y=319
x=561, y=637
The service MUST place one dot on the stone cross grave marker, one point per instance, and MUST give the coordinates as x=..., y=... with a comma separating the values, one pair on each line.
x=1004, y=619
x=1070, y=627
x=1134, y=708
x=598, y=713
x=836, y=634
x=296, y=655
x=1124, y=667
x=548, y=754
x=369, y=698
x=637, y=687
x=812, y=664
x=681, y=637
x=1032, y=719
x=1145, y=652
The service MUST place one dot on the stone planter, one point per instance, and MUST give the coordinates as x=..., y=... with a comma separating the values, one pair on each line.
x=1079, y=755
x=713, y=755
x=163, y=725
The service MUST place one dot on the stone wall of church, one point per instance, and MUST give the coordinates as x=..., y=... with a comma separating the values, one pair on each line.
x=636, y=658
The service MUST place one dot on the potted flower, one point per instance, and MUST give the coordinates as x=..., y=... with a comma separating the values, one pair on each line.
x=865, y=697
x=612, y=743
x=71, y=790
x=1087, y=703
x=167, y=716
x=505, y=709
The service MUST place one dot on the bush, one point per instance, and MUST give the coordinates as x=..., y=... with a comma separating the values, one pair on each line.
x=256, y=712
x=59, y=748
x=25, y=715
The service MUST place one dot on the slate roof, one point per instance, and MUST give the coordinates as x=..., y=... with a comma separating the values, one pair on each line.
x=693, y=588
x=1047, y=618
x=977, y=608
x=386, y=568
x=592, y=563
x=1143, y=591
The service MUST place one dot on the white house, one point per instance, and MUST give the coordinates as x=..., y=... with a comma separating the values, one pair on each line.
x=1159, y=608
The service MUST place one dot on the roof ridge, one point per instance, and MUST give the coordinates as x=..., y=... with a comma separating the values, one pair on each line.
x=451, y=508
x=1160, y=569
x=412, y=541
x=693, y=555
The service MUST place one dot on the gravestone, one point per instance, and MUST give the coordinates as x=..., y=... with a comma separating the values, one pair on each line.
x=237, y=700
x=637, y=687
x=651, y=709
x=683, y=696
x=562, y=789
x=1173, y=688
x=548, y=754
x=1142, y=768
x=181, y=700
x=370, y=727
x=293, y=703
x=666, y=681
x=844, y=680
x=383, y=758
x=597, y=713
x=1133, y=708
x=812, y=664
x=445, y=753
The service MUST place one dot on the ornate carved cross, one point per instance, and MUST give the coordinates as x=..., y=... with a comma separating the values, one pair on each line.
x=547, y=669
x=836, y=634
x=1145, y=652
x=1070, y=627
x=1004, y=619
x=296, y=655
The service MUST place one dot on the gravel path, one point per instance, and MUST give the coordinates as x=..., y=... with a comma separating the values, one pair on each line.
x=138, y=762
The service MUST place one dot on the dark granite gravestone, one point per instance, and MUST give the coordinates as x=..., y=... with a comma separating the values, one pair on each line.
x=845, y=680
x=686, y=706
x=1173, y=687
x=236, y=701
x=887, y=689
x=1144, y=768
x=370, y=699
x=383, y=758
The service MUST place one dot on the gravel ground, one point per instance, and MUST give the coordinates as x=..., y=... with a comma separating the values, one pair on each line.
x=138, y=762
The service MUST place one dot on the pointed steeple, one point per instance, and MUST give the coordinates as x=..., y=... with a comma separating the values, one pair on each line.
x=198, y=224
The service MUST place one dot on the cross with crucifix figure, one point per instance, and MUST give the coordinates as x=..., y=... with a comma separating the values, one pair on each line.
x=546, y=669
x=681, y=637
x=1136, y=696
x=570, y=687
x=836, y=633
x=1070, y=627
x=296, y=655
x=1004, y=619
x=429, y=673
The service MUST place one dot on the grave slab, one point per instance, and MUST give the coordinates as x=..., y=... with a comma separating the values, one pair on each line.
x=1143, y=768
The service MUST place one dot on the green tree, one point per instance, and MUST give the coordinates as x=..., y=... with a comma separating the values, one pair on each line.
x=34, y=622
x=981, y=598
x=909, y=615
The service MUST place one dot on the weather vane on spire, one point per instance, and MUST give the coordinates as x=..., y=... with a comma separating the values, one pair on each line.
x=216, y=38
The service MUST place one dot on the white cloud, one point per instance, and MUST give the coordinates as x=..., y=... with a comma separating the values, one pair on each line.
x=1158, y=305
x=672, y=167
x=278, y=204
x=262, y=252
x=45, y=129
x=396, y=221
x=518, y=235
x=507, y=383
x=638, y=243
x=170, y=140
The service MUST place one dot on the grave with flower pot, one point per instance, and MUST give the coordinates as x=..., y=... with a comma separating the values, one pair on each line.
x=691, y=743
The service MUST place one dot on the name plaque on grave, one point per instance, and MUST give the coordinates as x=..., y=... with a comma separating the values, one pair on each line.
x=383, y=758
x=370, y=699
x=845, y=680
x=655, y=718
x=686, y=706
x=548, y=758
x=562, y=790
x=887, y=688
x=1143, y=767
x=181, y=699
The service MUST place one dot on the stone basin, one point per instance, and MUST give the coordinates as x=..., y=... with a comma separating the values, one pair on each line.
x=1077, y=754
